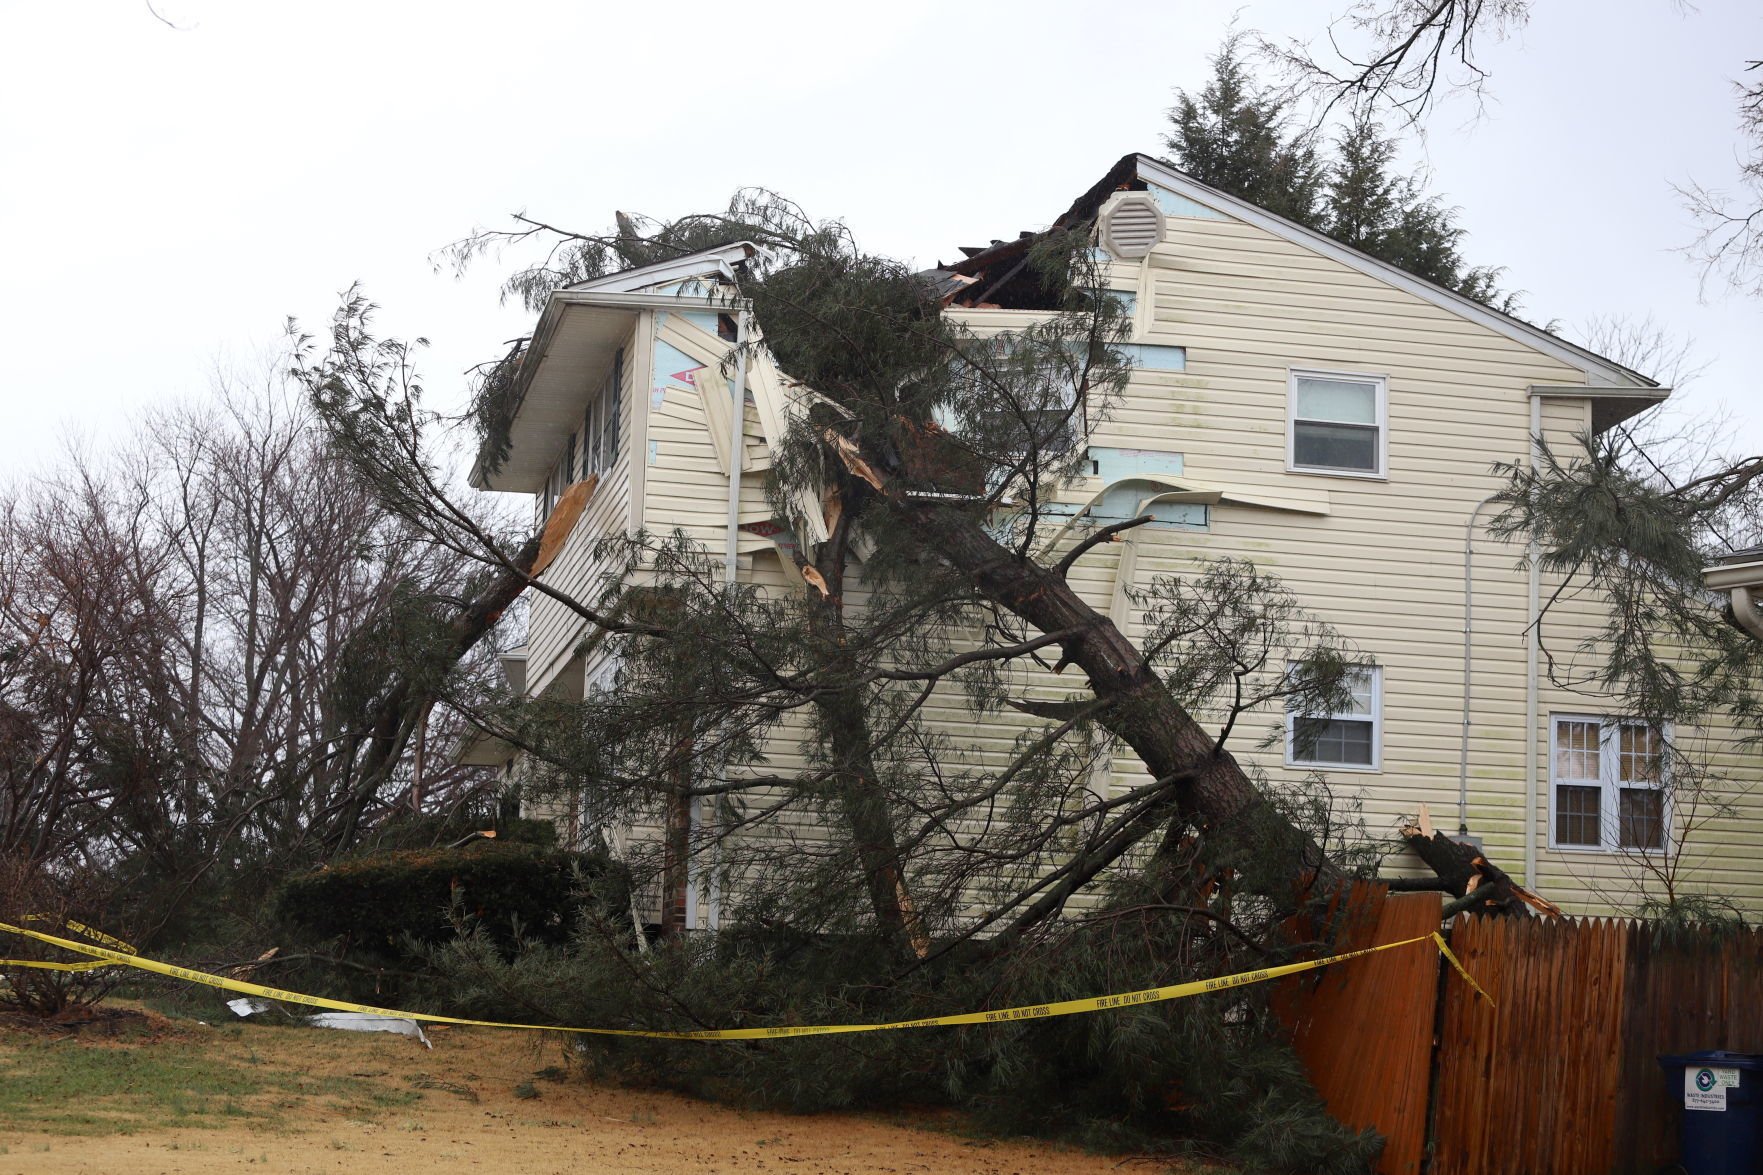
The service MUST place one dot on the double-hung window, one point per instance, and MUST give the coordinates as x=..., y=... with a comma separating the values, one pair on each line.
x=1337, y=424
x=1348, y=738
x=1608, y=784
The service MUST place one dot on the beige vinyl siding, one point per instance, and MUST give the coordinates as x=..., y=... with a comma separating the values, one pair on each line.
x=1711, y=843
x=554, y=629
x=1385, y=564
x=1379, y=559
x=687, y=479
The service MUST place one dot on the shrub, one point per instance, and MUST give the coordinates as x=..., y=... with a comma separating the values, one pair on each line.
x=406, y=830
x=34, y=896
x=514, y=892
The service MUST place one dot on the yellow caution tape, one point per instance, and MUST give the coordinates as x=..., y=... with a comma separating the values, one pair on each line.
x=80, y=929
x=42, y=966
x=85, y=931
x=1104, y=1003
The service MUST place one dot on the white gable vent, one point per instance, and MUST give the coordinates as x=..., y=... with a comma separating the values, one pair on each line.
x=1132, y=225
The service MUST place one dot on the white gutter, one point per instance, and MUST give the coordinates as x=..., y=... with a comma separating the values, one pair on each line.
x=1468, y=654
x=737, y=442
x=1532, y=645
x=1743, y=583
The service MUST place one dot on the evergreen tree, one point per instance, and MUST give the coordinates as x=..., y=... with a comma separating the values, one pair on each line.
x=1390, y=216
x=1235, y=137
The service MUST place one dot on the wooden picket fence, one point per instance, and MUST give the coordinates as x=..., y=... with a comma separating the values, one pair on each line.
x=1561, y=1076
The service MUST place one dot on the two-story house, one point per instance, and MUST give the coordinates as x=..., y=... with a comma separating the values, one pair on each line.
x=1293, y=402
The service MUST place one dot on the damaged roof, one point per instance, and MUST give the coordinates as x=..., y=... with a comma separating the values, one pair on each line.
x=997, y=275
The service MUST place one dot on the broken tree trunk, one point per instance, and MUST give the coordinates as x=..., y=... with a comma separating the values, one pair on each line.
x=861, y=795
x=1480, y=886
x=1205, y=787
x=1203, y=784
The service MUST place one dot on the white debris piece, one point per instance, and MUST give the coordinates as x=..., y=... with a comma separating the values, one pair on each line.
x=347, y=1021
x=365, y=1022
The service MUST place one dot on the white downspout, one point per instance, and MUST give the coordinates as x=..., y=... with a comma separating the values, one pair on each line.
x=737, y=443
x=1745, y=611
x=1532, y=647
x=1468, y=661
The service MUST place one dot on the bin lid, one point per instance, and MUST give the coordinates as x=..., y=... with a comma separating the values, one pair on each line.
x=1719, y=1057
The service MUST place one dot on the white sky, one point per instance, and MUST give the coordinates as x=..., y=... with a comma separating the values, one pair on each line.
x=169, y=198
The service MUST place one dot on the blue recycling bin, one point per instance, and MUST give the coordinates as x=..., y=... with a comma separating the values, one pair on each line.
x=1722, y=1098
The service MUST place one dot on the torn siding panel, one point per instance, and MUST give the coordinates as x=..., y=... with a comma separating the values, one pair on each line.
x=1176, y=204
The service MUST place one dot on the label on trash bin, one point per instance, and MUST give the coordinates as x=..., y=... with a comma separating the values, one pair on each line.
x=1705, y=1088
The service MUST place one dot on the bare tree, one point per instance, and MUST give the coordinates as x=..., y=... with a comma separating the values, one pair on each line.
x=202, y=638
x=1404, y=55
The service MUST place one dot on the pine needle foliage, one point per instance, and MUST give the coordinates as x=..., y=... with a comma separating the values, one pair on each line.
x=1208, y=1076
x=1665, y=646
x=1241, y=137
x=870, y=865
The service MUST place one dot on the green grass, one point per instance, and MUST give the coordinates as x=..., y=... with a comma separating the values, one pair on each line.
x=69, y=1087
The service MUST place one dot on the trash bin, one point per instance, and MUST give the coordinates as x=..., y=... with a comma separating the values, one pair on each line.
x=1722, y=1098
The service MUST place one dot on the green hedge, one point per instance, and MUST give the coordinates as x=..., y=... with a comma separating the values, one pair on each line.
x=371, y=902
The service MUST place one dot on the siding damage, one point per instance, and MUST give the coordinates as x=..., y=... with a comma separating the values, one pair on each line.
x=1224, y=305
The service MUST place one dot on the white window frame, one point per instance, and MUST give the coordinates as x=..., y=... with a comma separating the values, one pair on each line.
x=1382, y=385
x=1610, y=788
x=1375, y=717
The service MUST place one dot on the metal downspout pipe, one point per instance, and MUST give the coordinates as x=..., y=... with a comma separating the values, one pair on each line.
x=1533, y=645
x=737, y=443
x=1746, y=612
x=1468, y=661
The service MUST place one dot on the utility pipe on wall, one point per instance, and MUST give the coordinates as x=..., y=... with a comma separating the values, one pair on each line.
x=1468, y=654
x=1532, y=646
x=737, y=442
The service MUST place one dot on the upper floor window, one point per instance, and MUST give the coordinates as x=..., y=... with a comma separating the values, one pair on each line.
x=591, y=449
x=1336, y=424
x=1608, y=784
x=600, y=423
x=1348, y=738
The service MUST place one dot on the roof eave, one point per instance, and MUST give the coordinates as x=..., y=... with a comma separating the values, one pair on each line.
x=560, y=303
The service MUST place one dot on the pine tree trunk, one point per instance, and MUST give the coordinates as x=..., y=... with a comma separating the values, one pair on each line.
x=859, y=786
x=396, y=718
x=1208, y=788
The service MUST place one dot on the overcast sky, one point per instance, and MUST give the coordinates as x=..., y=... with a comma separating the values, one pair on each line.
x=171, y=197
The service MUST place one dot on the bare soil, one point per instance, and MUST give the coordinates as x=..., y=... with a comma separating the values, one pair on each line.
x=189, y=1098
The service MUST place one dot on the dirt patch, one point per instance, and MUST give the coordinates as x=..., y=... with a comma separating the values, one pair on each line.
x=312, y=1100
x=99, y=1021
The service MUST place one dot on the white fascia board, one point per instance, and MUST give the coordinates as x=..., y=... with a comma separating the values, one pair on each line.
x=720, y=261
x=1610, y=406
x=614, y=300
x=543, y=332
x=1600, y=371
